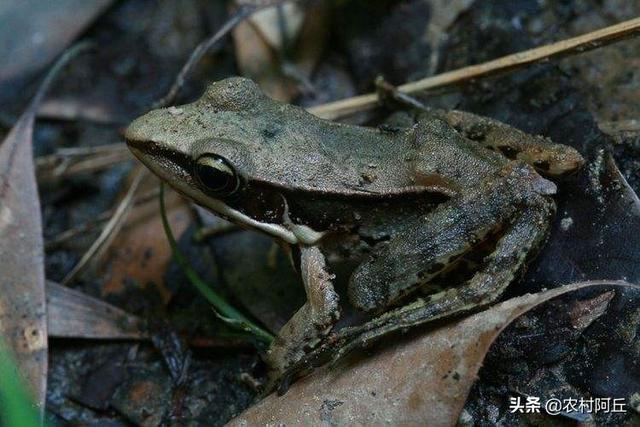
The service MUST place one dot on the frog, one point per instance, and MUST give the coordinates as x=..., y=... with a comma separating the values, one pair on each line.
x=408, y=203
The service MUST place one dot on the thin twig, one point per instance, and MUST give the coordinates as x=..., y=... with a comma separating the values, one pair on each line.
x=579, y=44
x=63, y=155
x=110, y=229
x=79, y=159
x=56, y=166
x=86, y=151
x=95, y=163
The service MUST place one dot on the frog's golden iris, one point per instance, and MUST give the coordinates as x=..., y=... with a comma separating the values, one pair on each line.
x=217, y=175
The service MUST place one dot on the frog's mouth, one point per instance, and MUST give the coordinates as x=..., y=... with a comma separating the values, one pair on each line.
x=176, y=172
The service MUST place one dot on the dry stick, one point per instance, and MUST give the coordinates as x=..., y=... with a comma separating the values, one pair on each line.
x=94, y=163
x=585, y=42
x=86, y=151
x=245, y=10
x=67, y=167
x=110, y=229
x=64, y=154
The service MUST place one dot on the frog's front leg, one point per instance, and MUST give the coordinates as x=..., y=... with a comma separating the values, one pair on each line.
x=311, y=322
x=540, y=152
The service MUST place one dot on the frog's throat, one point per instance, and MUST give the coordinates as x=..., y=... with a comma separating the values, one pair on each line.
x=292, y=233
x=289, y=234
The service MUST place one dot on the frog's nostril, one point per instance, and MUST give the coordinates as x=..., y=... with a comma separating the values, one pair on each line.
x=136, y=133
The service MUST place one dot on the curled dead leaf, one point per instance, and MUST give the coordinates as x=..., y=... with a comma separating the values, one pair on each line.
x=422, y=379
x=23, y=321
x=279, y=46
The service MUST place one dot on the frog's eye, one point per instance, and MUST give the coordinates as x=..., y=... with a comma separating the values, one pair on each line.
x=217, y=175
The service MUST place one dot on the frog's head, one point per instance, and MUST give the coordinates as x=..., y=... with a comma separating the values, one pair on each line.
x=220, y=151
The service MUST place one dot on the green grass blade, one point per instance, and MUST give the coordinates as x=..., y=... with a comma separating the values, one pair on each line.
x=16, y=406
x=223, y=309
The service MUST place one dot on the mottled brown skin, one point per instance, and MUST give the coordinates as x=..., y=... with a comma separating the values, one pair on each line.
x=420, y=198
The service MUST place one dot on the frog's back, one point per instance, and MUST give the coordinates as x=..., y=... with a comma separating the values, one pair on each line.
x=430, y=157
x=294, y=149
x=286, y=146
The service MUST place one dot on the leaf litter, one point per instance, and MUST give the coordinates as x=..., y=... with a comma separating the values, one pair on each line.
x=425, y=376
x=330, y=405
x=23, y=320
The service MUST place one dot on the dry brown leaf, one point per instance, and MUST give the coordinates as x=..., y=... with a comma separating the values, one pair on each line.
x=420, y=381
x=260, y=61
x=142, y=252
x=23, y=320
x=73, y=314
x=259, y=47
x=267, y=23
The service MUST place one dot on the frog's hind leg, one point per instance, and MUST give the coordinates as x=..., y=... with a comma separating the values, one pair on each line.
x=311, y=322
x=520, y=241
x=540, y=152
x=426, y=246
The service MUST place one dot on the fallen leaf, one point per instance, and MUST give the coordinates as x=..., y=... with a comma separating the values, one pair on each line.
x=268, y=22
x=74, y=314
x=23, y=321
x=260, y=61
x=263, y=55
x=22, y=307
x=141, y=252
x=384, y=389
x=583, y=313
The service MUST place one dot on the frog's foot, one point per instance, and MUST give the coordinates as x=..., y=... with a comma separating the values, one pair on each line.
x=314, y=320
x=520, y=241
x=548, y=158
